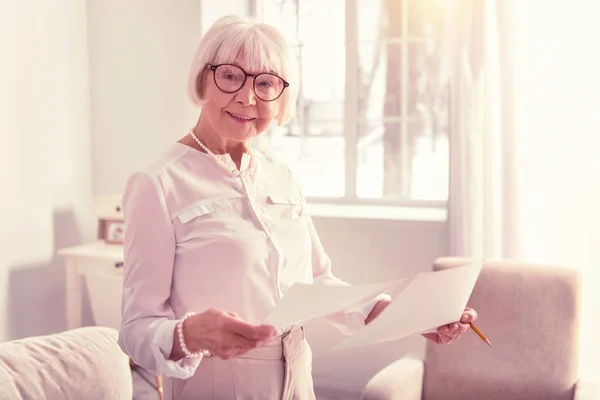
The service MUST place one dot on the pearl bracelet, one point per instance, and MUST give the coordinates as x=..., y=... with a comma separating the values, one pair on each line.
x=188, y=353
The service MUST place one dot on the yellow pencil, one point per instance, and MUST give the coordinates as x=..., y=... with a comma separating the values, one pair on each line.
x=478, y=332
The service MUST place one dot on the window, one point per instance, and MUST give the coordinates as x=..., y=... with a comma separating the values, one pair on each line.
x=372, y=122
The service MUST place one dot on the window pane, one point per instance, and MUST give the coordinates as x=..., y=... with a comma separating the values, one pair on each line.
x=317, y=158
x=426, y=99
x=380, y=80
x=392, y=165
x=369, y=159
x=426, y=17
x=316, y=137
x=402, y=150
x=430, y=168
x=379, y=19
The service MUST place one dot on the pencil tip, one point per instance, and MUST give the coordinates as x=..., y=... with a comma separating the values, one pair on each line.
x=488, y=342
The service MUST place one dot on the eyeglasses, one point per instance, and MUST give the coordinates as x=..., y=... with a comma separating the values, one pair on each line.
x=230, y=78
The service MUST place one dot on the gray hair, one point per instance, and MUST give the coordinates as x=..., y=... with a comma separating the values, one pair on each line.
x=244, y=41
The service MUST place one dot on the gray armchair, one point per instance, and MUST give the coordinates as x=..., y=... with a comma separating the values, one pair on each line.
x=532, y=316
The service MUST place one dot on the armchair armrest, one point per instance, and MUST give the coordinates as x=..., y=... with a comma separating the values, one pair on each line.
x=587, y=390
x=401, y=380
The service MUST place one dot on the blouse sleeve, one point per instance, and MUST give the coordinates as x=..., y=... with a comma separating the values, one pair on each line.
x=148, y=321
x=348, y=321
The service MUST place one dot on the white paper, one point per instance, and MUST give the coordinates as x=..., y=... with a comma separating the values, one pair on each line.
x=303, y=302
x=429, y=300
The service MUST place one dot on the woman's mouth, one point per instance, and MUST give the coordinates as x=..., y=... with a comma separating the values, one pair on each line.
x=243, y=119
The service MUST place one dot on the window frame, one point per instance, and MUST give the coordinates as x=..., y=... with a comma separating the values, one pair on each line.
x=351, y=111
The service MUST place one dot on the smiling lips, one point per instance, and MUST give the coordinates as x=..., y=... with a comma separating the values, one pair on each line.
x=240, y=118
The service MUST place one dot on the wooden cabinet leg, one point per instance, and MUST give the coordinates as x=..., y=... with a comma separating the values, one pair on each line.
x=158, y=381
x=74, y=288
x=159, y=387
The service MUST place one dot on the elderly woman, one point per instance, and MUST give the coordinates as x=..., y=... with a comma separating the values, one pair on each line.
x=216, y=233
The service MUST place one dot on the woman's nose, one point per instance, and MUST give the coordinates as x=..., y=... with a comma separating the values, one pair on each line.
x=245, y=95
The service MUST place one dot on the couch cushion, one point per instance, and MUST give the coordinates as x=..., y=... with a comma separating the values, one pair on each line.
x=532, y=315
x=84, y=363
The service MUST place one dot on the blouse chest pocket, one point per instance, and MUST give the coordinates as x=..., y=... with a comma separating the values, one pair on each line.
x=285, y=207
x=202, y=210
x=206, y=220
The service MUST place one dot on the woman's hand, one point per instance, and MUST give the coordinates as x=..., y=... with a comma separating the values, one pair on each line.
x=224, y=334
x=449, y=333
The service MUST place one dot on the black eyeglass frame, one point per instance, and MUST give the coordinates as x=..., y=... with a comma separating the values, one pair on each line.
x=213, y=68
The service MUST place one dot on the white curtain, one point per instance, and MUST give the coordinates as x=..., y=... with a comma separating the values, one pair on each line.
x=525, y=140
x=557, y=96
x=482, y=197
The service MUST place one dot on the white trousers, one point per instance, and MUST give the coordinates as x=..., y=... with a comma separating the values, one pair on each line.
x=279, y=371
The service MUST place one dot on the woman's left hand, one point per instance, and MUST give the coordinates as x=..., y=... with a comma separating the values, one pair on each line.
x=448, y=333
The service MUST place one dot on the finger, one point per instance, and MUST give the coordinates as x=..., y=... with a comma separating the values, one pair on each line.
x=448, y=329
x=267, y=332
x=243, y=343
x=233, y=346
x=250, y=331
x=453, y=331
x=440, y=337
x=445, y=338
x=462, y=328
x=457, y=328
x=469, y=315
x=226, y=350
x=431, y=336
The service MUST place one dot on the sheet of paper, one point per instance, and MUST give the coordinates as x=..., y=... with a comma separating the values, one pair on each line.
x=429, y=300
x=303, y=302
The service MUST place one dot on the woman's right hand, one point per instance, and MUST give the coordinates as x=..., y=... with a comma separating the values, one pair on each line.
x=224, y=334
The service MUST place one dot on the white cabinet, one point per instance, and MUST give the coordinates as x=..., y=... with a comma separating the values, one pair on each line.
x=98, y=269
x=95, y=268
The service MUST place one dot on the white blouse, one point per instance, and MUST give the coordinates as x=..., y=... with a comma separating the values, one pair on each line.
x=198, y=237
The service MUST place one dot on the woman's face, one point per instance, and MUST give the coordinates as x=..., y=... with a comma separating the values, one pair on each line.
x=238, y=116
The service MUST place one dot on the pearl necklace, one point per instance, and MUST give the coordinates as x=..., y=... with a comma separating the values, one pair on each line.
x=232, y=170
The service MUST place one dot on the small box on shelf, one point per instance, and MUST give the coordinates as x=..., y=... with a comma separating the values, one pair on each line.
x=109, y=213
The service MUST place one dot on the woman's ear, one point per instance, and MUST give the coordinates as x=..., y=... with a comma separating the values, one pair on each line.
x=201, y=85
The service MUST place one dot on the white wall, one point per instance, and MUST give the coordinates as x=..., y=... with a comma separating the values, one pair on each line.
x=140, y=55
x=45, y=170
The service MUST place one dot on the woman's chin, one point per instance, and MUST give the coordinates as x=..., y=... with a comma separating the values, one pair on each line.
x=239, y=135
